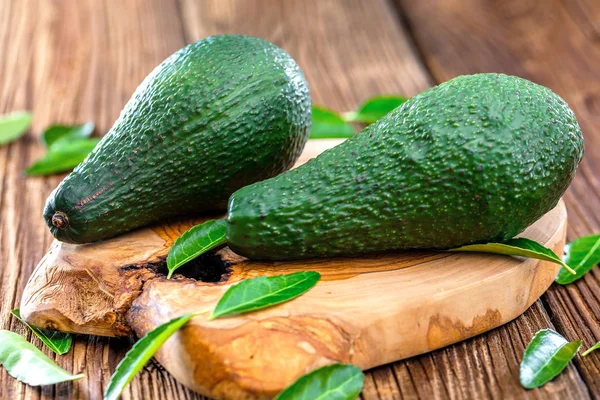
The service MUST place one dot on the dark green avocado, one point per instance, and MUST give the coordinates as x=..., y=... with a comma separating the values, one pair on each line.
x=476, y=159
x=215, y=116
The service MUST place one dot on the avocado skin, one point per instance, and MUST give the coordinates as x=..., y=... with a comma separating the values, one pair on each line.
x=476, y=159
x=215, y=116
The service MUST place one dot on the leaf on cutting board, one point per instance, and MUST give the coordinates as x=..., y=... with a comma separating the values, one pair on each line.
x=140, y=353
x=72, y=132
x=13, y=126
x=64, y=155
x=264, y=291
x=588, y=351
x=581, y=255
x=373, y=109
x=522, y=247
x=545, y=357
x=331, y=382
x=195, y=242
x=58, y=342
x=28, y=364
x=328, y=124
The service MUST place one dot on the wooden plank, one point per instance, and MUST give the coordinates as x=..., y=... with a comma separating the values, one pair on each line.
x=348, y=50
x=554, y=43
x=70, y=61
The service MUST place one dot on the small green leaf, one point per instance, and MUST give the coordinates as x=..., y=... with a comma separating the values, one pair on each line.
x=581, y=255
x=58, y=342
x=374, y=108
x=588, y=351
x=516, y=247
x=328, y=124
x=13, y=126
x=545, y=357
x=254, y=294
x=195, y=242
x=140, y=353
x=331, y=382
x=28, y=364
x=63, y=155
x=55, y=132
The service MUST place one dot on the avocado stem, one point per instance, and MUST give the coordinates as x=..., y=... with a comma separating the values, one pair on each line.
x=60, y=220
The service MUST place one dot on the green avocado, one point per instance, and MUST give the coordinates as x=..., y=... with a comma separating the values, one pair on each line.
x=476, y=159
x=215, y=116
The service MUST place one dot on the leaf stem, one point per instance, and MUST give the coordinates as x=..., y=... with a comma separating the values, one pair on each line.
x=349, y=116
x=571, y=270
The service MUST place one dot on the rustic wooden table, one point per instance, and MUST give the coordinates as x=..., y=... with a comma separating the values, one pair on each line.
x=78, y=60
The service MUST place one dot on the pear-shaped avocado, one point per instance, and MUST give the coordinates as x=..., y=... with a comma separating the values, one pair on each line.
x=476, y=159
x=215, y=116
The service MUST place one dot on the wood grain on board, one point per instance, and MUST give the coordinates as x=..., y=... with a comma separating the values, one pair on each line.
x=77, y=60
x=368, y=310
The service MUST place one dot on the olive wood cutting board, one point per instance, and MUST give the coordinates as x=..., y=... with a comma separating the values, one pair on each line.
x=368, y=310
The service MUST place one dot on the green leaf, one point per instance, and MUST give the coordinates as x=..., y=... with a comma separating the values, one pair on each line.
x=63, y=155
x=13, y=126
x=328, y=124
x=331, y=382
x=55, y=132
x=545, y=357
x=28, y=364
x=588, y=351
x=261, y=292
x=58, y=342
x=581, y=255
x=195, y=242
x=374, y=108
x=516, y=247
x=140, y=353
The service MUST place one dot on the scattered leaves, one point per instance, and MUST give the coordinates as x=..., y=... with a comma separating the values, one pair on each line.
x=195, y=242
x=545, y=357
x=581, y=255
x=64, y=155
x=71, y=132
x=28, y=364
x=328, y=124
x=374, y=109
x=140, y=353
x=13, y=126
x=516, y=247
x=331, y=382
x=58, y=342
x=264, y=291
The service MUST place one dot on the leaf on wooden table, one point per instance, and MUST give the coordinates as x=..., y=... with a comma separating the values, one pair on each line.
x=195, y=242
x=264, y=291
x=140, y=353
x=28, y=364
x=581, y=255
x=545, y=357
x=328, y=124
x=374, y=109
x=58, y=342
x=588, y=351
x=72, y=132
x=13, y=126
x=63, y=155
x=522, y=247
x=331, y=382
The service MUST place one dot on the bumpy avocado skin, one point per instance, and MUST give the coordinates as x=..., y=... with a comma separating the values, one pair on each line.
x=215, y=116
x=476, y=159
